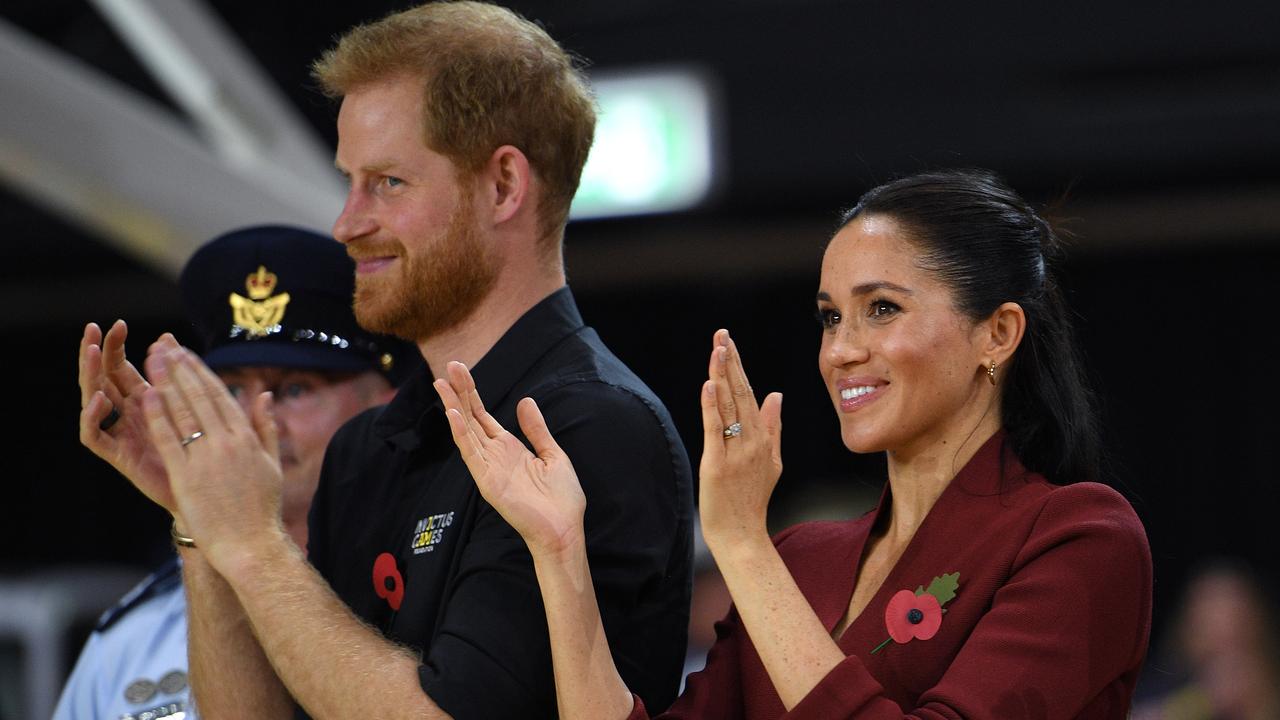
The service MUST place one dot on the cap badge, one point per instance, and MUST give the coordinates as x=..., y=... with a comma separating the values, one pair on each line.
x=259, y=314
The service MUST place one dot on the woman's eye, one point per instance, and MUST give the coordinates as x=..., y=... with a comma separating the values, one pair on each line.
x=828, y=318
x=293, y=390
x=236, y=389
x=882, y=308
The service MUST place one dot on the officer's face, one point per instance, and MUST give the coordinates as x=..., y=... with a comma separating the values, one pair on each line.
x=408, y=222
x=309, y=408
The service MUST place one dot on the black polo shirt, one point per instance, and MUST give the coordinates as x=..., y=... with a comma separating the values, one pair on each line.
x=400, y=531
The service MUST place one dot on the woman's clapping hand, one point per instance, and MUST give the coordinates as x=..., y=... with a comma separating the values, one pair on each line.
x=537, y=493
x=742, y=449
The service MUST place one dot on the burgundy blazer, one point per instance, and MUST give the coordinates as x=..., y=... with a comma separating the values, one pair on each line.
x=1050, y=617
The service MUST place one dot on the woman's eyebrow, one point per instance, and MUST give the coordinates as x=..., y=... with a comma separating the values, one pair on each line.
x=867, y=289
x=871, y=287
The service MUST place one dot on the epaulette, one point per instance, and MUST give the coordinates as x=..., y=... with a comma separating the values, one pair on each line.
x=164, y=579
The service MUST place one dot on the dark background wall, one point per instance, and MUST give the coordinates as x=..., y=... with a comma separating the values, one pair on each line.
x=1151, y=129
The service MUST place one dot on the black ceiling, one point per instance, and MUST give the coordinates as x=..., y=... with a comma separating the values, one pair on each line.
x=820, y=99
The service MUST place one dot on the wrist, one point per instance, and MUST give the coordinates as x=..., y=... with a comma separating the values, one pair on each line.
x=179, y=536
x=730, y=543
x=178, y=533
x=570, y=549
x=243, y=559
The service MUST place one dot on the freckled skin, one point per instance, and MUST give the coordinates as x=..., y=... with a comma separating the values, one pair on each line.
x=911, y=338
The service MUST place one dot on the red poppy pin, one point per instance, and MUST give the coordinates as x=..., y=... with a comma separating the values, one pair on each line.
x=918, y=614
x=387, y=582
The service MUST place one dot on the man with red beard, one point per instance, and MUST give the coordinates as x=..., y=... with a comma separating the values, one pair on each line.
x=462, y=130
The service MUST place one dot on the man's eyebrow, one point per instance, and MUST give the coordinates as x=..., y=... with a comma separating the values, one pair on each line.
x=371, y=169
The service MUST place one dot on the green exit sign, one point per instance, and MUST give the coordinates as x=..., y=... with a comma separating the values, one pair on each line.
x=653, y=149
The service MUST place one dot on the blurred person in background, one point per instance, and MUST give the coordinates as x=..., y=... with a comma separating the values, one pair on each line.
x=1225, y=650
x=272, y=306
x=994, y=580
x=462, y=132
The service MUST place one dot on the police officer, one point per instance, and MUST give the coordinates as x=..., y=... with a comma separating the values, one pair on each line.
x=272, y=305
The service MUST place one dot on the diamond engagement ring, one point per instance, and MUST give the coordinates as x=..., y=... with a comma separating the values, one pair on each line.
x=733, y=431
x=192, y=437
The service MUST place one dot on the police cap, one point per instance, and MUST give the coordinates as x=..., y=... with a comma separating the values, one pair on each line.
x=280, y=296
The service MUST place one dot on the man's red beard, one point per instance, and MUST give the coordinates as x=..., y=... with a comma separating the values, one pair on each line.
x=430, y=292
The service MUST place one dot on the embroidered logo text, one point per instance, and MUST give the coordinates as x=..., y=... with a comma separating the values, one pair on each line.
x=429, y=532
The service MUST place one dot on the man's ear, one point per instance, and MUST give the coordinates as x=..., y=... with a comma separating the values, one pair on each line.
x=507, y=178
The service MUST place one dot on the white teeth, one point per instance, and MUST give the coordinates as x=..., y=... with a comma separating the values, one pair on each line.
x=853, y=392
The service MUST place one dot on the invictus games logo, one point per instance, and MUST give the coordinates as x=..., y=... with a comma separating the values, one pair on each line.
x=429, y=532
x=259, y=314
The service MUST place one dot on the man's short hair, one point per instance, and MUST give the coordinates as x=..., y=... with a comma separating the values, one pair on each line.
x=491, y=78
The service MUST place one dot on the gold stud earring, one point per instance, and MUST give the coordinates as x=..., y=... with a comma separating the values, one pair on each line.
x=991, y=372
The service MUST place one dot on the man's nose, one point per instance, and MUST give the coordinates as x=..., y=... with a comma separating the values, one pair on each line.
x=355, y=220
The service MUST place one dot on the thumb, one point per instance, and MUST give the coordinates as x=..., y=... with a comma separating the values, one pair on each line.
x=264, y=423
x=535, y=428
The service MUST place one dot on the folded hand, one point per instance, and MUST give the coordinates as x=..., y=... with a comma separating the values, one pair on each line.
x=224, y=466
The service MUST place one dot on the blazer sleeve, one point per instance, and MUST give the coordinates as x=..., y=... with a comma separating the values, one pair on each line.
x=1073, y=617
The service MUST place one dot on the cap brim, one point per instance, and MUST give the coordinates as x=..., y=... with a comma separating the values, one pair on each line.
x=288, y=355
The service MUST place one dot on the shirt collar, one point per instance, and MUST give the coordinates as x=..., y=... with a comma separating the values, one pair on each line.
x=532, y=336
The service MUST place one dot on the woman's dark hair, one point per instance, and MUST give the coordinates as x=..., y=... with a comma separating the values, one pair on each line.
x=990, y=247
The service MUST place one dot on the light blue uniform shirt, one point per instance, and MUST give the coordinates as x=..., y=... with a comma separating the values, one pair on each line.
x=134, y=666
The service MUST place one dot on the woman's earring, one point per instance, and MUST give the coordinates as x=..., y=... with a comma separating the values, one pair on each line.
x=991, y=372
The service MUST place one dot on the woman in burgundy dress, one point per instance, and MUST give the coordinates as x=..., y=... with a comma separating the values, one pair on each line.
x=993, y=580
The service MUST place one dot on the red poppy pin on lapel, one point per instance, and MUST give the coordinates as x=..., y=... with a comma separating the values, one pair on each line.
x=387, y=581
x=918, y=614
